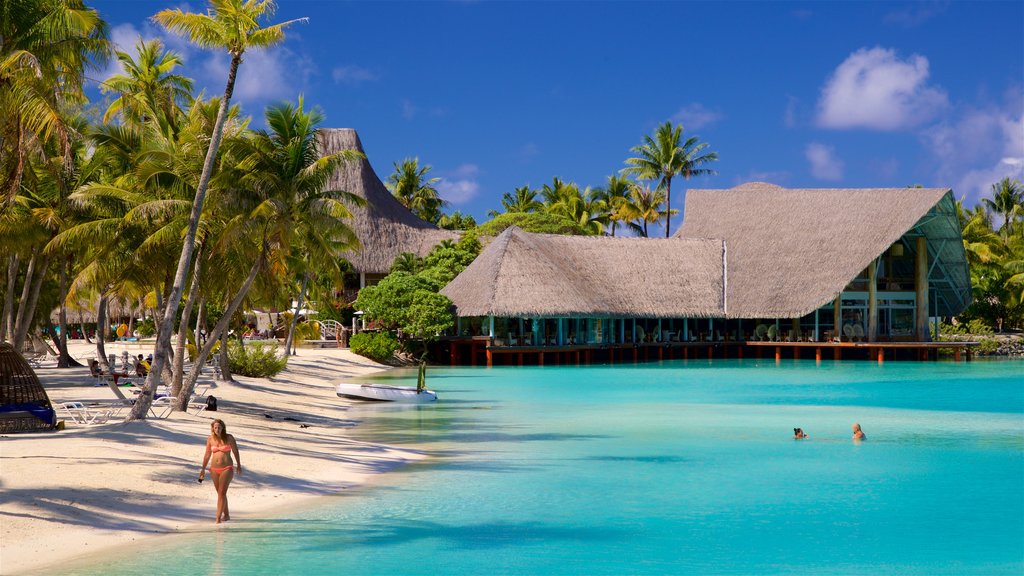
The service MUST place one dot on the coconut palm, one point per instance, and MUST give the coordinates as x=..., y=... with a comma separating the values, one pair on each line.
x=666, y=156
x=45, y=48
x=1007, y=201
x=522, y=199
x=614, y=194
x=279, y=182
x=410, y=185
x=232, y=25
x=149, y=89
x=643, y=206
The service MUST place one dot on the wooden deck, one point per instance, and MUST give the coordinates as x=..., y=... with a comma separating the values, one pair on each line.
x=479, y=350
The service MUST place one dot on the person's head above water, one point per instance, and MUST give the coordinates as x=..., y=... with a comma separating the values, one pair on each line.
x=798, y=433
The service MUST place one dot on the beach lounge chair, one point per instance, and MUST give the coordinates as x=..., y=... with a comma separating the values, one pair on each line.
x=83, y=414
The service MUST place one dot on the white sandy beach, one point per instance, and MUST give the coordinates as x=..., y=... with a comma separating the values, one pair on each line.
x=91, y=487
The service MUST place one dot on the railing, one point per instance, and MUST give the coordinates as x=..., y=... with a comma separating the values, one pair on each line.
x=330, y=329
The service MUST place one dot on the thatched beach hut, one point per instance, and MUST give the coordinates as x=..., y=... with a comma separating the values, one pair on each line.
x=753, y=262
x=384, y=227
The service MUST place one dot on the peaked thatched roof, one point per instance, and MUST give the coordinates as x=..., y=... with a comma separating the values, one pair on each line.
x=524, y=274
x=790, y=251
x=384, y=227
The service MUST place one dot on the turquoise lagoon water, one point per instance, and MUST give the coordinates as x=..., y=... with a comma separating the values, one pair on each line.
x=670, y=468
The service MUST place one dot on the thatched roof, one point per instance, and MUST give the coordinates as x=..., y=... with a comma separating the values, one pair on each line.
x=524, y=274
x=790, y=251
x=384, y=227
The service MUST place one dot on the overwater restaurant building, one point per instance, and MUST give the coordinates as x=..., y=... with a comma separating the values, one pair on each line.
x=753, y=266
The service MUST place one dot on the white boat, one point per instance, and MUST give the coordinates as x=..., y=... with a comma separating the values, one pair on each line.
x=385, y=393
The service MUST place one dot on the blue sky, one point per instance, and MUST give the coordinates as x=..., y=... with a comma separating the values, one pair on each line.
x=496, y=95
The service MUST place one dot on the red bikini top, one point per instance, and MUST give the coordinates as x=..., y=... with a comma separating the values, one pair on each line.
x=221, y=448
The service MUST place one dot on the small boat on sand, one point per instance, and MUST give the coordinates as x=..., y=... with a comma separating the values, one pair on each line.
x=385, y=393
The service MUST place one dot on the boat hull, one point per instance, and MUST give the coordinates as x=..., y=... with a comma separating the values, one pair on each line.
x=385, y=393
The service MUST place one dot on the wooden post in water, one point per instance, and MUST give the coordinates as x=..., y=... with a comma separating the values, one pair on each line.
x=873, y=301
x=921, y=290
x=837, y=317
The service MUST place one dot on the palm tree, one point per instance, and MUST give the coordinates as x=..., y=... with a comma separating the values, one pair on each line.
x=981, y=244
x=643, y=206
x=279, y=182
x=45, y=48
x=1007, y=201
x=522, y=199
x=410, y=185
x=149, y=89
x=614, y=194
x=233, y=25
x=665, y=156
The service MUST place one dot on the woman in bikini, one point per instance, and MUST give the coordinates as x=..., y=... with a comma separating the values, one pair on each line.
x=219, y=447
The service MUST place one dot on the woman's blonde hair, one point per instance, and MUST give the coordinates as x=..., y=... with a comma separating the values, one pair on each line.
x=223, y=436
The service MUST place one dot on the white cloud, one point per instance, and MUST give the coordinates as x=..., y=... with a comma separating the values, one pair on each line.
x=978, y=149
x=527, y=152
x=275, y=73
x=123, y=37
x=695, y=116
x=778, y=177
x=461, y=185
x=874, y=89
x=916, y=14
x=352, y=75
x=408, y=109
x=824, y=164
x=789, y=116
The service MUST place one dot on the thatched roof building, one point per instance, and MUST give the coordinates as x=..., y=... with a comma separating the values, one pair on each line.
x=790, y=251
x=384, y=227
x=754, y=251
x=524, y=274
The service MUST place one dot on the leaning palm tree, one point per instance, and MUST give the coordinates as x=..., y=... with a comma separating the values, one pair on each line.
x=233, y=25
x=666, y=156
x=410, y=185
x=280, y=181
x=1007, y=201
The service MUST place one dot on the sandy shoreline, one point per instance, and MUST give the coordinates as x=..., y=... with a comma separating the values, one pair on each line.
x=89, y=488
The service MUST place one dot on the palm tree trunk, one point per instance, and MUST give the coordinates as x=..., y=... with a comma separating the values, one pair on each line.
x=668, y=206
x=200, y=324
x=221, y=328
x=225, y=360
x=7, y=321
x=167, y=323
x=101, y=332
x=289, y=341
x=183, y=326
x=28, y=307
x=63, y=359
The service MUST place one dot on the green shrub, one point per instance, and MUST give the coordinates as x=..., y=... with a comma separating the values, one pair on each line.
x=256, y=360
x=988, y=345
x=377, y=346
x=146, y=328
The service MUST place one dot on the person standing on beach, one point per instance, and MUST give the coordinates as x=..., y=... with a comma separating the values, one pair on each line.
x=858, y=434
x=219, y=447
